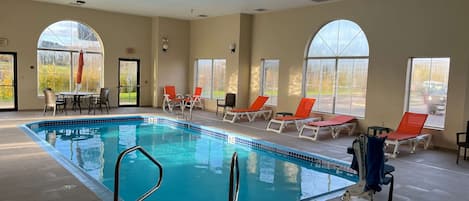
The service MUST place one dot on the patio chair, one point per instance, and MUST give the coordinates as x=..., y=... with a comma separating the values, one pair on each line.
x=229, y=101
x=369, y=162
x=103, y=99
x=301, y=116
x=171, y=99
x=409, y=131
x=464, y=143
x=51, y=101
x=251, y=113
x=194, y=100
x=335, y=124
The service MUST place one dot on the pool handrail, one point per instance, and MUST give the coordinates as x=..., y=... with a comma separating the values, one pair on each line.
x=234, y=190
x=117, y=171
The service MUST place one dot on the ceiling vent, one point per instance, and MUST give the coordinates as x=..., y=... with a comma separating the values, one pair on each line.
x=260, y=9
x=319, y=1
x=78, y=3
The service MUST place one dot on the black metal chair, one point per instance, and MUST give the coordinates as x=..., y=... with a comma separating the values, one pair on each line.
x=229, y=101
x=464, y=144
x=103, y=99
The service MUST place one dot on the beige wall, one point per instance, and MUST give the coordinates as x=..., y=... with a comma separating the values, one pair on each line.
x=396, y=30
x=210, y=38
x=171, y=66
x=22, y=22
x=244, y=67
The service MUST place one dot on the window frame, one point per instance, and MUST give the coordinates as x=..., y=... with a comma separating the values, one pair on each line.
x=336, y=68
x=212, y=66
x=71, y=53
x=262, y=79
x=409, y=75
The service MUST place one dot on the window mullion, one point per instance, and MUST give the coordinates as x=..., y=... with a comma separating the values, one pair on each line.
x=320, y=83
x=71, y=71
x=334, y=92
x=352, y=87
x=211, y=80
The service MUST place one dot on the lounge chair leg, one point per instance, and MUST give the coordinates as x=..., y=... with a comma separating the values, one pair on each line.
x=300, y=134
x=396, y=150
x=427, y=141
x=457, y=156
x=352, y=129
x=413, y=145
x=312, y=137
x=282, y=125
x=334, y=132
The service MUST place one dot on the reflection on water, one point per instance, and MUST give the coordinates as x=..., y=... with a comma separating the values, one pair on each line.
x=196, y=166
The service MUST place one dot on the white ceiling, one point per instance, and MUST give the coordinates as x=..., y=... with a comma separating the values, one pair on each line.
x=181, y=9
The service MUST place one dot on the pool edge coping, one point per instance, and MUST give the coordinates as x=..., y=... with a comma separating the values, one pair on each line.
x=101, y=191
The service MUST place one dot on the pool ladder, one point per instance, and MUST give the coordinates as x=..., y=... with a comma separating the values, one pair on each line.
x=234, y=175
x=234, y=187
x=117, y=171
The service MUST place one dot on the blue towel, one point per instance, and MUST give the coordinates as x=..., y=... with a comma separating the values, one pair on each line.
x=374, y=163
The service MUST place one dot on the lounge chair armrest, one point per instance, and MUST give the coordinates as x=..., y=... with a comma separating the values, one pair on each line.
x=220, y=100
x=458, y=134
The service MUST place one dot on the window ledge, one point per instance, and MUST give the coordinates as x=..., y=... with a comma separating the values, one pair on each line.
x=434, y=128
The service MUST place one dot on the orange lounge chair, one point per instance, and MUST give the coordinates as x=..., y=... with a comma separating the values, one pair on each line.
x=251, y=112
x=194, y=100
x=409, y=131
x=336, y=125
x=171, y=99
x=301, y=116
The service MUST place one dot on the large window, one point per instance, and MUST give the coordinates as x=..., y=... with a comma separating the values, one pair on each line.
x=428, y=86
x=337, y=69
x=57, y=57
x=269, y=80
x=210, y=75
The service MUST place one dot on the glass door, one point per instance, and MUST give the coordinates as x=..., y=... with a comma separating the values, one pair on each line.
x=129, y=82
x=8, y=94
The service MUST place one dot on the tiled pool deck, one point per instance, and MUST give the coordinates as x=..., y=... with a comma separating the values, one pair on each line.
x=29, y=173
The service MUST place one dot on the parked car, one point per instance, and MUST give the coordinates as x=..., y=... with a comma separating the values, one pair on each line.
x=435, y=96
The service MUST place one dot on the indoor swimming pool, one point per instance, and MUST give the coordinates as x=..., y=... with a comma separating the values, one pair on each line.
x=196, y=160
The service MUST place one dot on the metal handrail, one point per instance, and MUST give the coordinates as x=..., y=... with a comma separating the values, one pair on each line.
x=234, y=190
x=117, y=170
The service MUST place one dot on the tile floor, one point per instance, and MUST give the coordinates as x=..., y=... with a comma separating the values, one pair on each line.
x=29, y=173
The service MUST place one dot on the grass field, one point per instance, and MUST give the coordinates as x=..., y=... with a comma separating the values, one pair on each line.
x=128, y=98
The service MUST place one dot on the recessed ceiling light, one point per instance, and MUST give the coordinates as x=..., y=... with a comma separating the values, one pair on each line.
x=260, y=9
x=202, y=15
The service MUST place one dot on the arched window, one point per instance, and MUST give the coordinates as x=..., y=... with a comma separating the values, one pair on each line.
x=337, y=69
x=57, y=57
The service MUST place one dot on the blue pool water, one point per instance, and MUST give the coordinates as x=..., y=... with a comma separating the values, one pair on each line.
x=196, y=166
